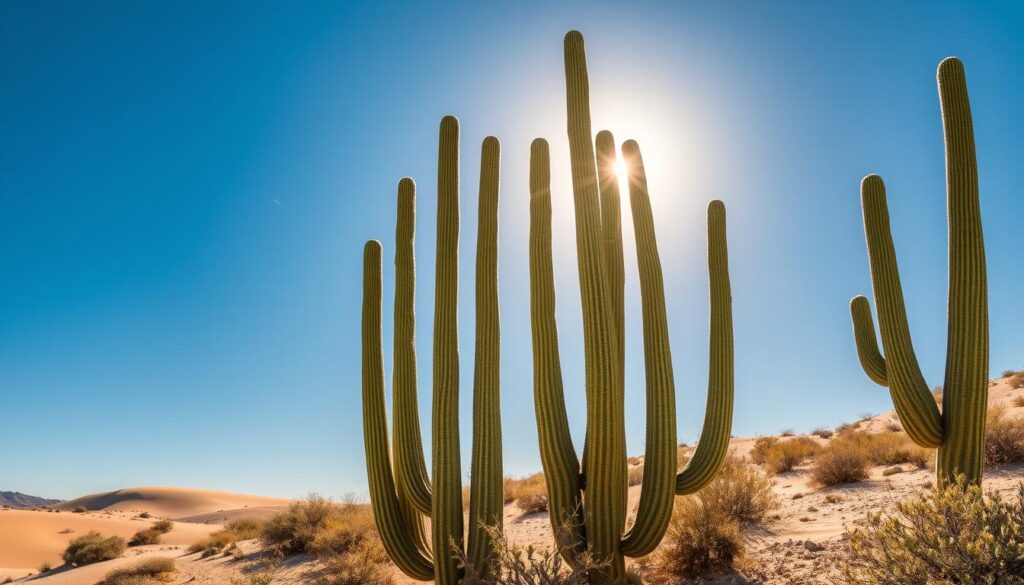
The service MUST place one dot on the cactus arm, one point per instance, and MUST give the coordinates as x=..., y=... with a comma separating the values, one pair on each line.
x=446, y=514
x=658, y=491
x=965, y=398
x=604, y=408
x=398, y=536
x=867, y=343
x=410, y=469
x=713, y=445
x=486, y=497
x=611, y=235
x=558, y=456
x=914, y=403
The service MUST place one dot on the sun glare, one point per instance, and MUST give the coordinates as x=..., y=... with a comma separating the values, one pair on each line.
x=622, y=172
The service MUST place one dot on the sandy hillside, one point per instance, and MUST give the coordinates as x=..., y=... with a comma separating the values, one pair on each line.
x=174, y=503
x=29, y=538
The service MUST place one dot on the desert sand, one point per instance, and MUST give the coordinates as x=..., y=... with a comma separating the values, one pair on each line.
x=803, y=546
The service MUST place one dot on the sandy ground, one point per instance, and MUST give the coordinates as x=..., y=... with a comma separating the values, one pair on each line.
x=805, y=545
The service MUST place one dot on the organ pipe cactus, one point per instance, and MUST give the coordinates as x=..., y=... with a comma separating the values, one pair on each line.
x=959, y=430
x=588, y=509
x=400, y=491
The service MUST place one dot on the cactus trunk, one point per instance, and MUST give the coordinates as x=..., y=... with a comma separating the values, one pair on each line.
x=959, y=430
x=401, y=493
x=588, y=511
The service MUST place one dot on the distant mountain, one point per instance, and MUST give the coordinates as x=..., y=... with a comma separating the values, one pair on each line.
x=20, y=500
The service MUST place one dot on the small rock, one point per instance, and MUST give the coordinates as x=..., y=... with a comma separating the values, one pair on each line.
x=812, y=546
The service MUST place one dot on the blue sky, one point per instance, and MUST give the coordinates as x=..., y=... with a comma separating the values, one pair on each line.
x=186, y=188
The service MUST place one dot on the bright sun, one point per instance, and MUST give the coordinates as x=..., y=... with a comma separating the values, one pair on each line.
x=622, y=172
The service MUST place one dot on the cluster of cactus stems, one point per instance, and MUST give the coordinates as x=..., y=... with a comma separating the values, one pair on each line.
x=587, y=500
x=401, y=492
x=959, y=430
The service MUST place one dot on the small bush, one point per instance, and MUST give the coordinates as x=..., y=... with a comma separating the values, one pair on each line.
x=517, y=565
x=700, y=539
x=759, y=452
x=533, y=504
x=158, y=568
x=144, y=537
x=822, y=432
x=740, y=493
x=79, y=510
x=234, y=531
x=365, y=564
x=1017, y=380
x=93, y=548
x=1007, y=373
x=840, y=462
x=1004, y=438
x=145, y=515
x=787, y=433
x=516, y=488
x=1019, y=401
x=785, y=455
x=893, y=426
x=45, y=568
x=635, y=475
x=955, y=535
x=318, y=526
x=163, y=526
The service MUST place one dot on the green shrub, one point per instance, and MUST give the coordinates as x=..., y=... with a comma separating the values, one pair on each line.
x=93, y=548
x=955, y=535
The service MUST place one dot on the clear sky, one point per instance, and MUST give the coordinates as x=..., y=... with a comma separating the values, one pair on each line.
x=186, y=188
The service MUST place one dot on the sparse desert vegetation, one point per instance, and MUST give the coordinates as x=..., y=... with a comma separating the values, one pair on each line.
x=1004, y=437
x=912, y=544
x=152, y=534
x=93, y=548
x=146, y=572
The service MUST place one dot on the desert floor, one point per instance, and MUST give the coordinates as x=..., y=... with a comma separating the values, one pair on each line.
x=804, y=545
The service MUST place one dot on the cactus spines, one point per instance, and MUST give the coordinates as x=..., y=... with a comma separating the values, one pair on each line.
x=401, y=538
x=402, y=494
x=486, y=499
x=588, y=511
x=959, y=430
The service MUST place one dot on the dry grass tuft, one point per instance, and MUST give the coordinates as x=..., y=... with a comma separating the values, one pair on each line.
x=517, y=565
x=147, y=571
x=842, y=461
x=700, y=539
x=1004, y=437
x=221, y=540
x=785, y=455
x=822, y=432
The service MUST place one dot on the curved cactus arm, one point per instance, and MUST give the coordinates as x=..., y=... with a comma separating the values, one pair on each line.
x=557, y=454
x=713, y=445
x=398, y=536
x=658, y=491
x=605, y=448
x=410, y=469
x=965, y=397
x=914, y=403
x=446, y=514
x=867, y=343
x=486, y=502
x=611, y=236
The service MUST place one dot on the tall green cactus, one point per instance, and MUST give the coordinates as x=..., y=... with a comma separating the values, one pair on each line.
x=959, y=430
x=400, y=491
x=588, y=509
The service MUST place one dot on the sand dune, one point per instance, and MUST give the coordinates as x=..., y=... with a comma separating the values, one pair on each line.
x=29, y=538
x=171, y=502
